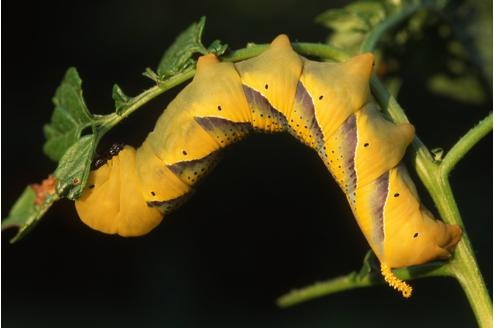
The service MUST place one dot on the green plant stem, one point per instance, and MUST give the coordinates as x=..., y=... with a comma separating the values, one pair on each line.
x=321, y=50
x=464, y=145
x=248, y=52
x=355, y=280
x=465, y=269
x=463, y=265
x=308, y=49
x=109, y=121
x=320, y=289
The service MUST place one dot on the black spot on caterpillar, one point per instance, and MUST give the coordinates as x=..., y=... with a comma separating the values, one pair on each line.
x=135, y=188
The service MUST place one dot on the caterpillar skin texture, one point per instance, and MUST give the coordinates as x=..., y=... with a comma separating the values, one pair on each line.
x=327, y=106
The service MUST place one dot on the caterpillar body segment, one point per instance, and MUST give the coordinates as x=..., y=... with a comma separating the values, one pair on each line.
x=380, y=144
x=215, y=92
x=337, y=89
x=273, y=75
x=327, y=106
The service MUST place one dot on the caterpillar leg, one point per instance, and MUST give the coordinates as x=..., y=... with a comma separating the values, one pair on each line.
x=395, y=282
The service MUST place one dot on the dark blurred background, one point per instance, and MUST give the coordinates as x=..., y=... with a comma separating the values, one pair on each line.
x=267, y=220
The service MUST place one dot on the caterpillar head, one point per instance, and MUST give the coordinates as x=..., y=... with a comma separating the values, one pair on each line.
x=112, y=203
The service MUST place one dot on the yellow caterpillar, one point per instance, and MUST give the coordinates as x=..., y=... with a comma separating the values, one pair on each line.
x=327, y=106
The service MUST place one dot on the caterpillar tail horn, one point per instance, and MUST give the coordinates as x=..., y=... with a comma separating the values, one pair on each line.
x=395, y=282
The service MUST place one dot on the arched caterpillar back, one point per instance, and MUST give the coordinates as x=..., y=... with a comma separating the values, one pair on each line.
x=327, y=106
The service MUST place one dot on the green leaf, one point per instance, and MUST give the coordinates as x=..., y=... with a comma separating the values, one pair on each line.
x=341, y=20
x=466, y=89
x=178, y=57
x=357, y=16
x=69, y=117
x=351, y=23
x=25, y=213
x=217, y=48
x=350, y=40
x=472, y=23
x=63, y=143
x=74, y=167
x=150, y=74
x=369, y=265
x=120, y=98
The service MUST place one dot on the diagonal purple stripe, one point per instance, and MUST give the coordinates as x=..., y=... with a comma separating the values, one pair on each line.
x=260, y=105
x=167, y=206
x=308, y=114
x=227, y=127
x=378, y=204
x=191, y=172
x=349, y=135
